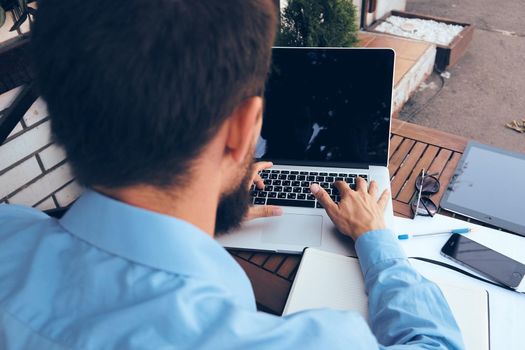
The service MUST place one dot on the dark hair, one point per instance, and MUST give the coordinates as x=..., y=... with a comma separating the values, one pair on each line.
x=135, y=89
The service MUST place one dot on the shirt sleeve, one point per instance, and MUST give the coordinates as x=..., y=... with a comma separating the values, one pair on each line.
x=406, y=311
x=404, y=308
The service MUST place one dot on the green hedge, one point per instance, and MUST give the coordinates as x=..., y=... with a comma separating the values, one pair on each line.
x=318, y=23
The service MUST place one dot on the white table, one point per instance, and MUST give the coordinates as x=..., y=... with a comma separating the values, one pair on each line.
x=507, y=309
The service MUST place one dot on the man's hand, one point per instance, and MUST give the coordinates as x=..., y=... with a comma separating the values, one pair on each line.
x=256, y=178
x=358, y=211
x=261, y=211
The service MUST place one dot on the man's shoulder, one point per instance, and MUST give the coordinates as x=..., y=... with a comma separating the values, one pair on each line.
x=13, y=211
x=18, y=218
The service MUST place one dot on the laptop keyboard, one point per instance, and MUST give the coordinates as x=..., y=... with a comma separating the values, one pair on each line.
x=292, y=188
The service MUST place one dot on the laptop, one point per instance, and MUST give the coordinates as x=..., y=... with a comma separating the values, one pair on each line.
x=327, y=117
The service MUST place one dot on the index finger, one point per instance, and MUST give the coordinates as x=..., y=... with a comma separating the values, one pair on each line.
x=323, y=197
x=258, y=181
x=361, y=184
x=342, y=187
x=373, y=189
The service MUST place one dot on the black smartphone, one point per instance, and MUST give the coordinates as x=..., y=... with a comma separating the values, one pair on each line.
x=484, y=260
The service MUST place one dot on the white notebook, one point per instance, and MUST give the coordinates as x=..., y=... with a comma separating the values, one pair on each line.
x=327, y=280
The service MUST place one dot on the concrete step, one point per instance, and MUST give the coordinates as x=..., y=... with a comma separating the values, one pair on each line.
x=414, y=63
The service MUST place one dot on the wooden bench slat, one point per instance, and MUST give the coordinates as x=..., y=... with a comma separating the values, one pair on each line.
x=246, y=255
x=289, y=266
x=395, y=141
x=406, y=193
x=402, y=209
x=430, y=136
x=440, y=162
x=270, y=290
x=406, y=168
x=273, y=262
x=399, y=156
x=259, y=258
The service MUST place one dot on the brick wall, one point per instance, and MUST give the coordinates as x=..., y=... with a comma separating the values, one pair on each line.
x=33, y=170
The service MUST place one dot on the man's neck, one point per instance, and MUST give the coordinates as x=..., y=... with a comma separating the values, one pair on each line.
x=195, y=202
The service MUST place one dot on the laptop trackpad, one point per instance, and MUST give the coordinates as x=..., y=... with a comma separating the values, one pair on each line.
x=294, y=229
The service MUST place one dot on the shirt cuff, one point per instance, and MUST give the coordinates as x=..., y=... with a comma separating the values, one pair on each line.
x=377, y=246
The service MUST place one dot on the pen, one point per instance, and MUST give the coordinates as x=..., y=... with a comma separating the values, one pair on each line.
x=459, y=231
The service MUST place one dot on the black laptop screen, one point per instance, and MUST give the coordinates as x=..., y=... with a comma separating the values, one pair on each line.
x=327, y=107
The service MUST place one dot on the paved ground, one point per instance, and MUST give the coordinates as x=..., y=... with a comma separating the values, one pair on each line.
x=487, y=87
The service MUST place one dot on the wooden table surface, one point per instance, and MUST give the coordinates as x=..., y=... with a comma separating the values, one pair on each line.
x=412, y=147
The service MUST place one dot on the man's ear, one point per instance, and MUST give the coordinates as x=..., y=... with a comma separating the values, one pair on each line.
x=244, y=123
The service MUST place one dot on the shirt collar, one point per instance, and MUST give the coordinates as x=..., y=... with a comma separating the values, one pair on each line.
x=153, y=239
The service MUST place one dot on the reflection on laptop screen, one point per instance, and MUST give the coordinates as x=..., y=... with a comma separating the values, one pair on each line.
x=328, y=106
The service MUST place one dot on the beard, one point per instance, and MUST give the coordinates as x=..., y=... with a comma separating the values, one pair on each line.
x=233, y=205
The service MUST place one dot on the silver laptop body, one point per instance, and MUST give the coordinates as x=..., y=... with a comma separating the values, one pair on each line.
x=327, y=113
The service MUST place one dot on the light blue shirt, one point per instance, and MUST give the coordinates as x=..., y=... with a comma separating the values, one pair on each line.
x=112, y=276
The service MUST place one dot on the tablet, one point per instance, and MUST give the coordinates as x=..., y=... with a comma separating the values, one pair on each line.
x=489, y=185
